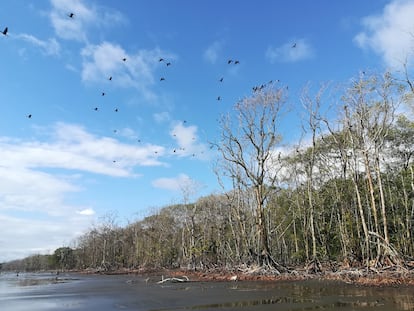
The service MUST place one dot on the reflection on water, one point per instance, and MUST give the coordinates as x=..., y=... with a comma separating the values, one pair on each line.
x=317, y=305
x=47, y=292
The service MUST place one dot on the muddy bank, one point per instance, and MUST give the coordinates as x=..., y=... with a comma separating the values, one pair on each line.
x=387, y=276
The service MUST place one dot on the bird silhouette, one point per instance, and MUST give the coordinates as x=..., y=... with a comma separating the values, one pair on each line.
x=219, y=98
x=236, y=62
x=294, y=45
x=110, y=78
x=168, y=64
x=71, y=15
x=96, y=109
x=162, y=79
x=116, y=110
x=124, y=59
x=29, y=116
x=221, y=80
x=103, y=93
x=161, y=59
x=4, y=32
x=229, y=61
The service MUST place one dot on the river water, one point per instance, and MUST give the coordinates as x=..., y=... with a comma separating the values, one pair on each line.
x=46, y=291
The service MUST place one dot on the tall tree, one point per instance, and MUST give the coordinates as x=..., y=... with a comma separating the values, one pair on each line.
x=247, y=144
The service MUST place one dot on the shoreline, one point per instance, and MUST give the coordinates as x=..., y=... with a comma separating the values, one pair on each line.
x=388, y=276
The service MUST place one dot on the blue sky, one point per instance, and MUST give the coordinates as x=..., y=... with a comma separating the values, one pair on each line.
x=135, y=149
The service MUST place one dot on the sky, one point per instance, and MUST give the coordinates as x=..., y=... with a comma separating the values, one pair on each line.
x=111, y=110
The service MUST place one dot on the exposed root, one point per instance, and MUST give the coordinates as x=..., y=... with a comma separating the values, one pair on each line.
x=314, y=266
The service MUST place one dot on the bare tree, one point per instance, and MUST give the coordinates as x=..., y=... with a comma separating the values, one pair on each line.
x=247, y=146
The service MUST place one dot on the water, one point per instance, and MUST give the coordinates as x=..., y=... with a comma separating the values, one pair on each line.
x=46, y=291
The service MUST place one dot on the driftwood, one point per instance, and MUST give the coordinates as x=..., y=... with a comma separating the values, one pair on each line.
x=174, y=280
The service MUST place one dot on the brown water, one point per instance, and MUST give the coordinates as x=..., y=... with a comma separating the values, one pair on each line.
x=44, y=292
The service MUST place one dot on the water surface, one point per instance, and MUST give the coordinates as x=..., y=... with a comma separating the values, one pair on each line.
x=46, y=291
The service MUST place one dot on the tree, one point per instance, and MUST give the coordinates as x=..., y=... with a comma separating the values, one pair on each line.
x=247, y=147
x=64, y=258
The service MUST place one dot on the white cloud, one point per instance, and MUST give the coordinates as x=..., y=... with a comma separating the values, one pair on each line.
x=212, y=52
x=71, y=28
x=390, y=34
x=29, y=190
x=38, y=178
x=106, y=60
x=292, y=51
x=187, y=140
x=27, y=185
x=48, y=47
x=21, y=237
x=86, y=212
x=85, y=16
x=173, y=184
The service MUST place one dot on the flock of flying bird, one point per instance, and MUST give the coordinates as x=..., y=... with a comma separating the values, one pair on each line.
x=162, y=78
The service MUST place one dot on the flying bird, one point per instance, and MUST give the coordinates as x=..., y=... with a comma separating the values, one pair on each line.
x=168, y=64
x=29, y=116
x=96, y=109
x=294, y=45
x=110, y=78
x=116, y=110
x=236, y=62
x=4, y=32
x=71, y=15
x=103, y=94
x=219, y=98
x=124, y=59
x=221, y=80
x=161, y=59
x=162, y=79
x=229, y=61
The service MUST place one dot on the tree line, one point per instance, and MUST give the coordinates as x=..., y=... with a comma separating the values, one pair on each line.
x=344, y=194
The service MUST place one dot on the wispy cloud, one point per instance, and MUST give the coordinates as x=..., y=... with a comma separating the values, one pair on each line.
x=212, y=52
x=290, y=52
x=73, y=148
x=48, y=47
x=161, y=117
x=390, y=34
x=177, y=183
